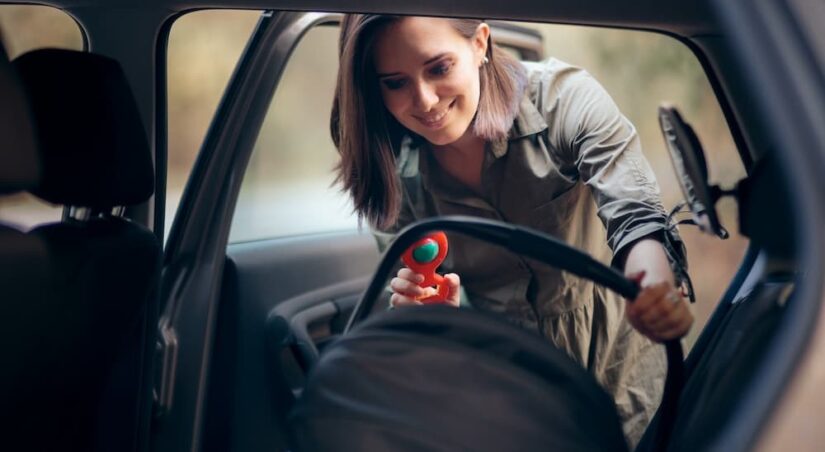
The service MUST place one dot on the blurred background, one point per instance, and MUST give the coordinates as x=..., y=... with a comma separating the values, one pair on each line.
x=288, y=189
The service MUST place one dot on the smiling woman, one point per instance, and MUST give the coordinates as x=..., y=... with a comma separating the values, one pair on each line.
x=471, y=131
x=420, y=85
x=435, y=94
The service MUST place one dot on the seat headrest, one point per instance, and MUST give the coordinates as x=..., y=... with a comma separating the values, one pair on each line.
x=19, y=162
x=766, y=213
x=93, y=146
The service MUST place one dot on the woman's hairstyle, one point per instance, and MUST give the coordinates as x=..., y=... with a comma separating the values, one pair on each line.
x=367, y=135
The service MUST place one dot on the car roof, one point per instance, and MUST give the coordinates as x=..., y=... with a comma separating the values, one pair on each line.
x=684, y=18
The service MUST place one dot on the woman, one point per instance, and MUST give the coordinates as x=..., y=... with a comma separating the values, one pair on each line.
x=430, y=118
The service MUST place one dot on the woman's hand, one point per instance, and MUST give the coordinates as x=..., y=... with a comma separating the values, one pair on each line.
x=406, y=290
x=659, y=311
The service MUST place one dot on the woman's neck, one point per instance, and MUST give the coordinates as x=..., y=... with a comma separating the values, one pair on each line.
x=463, y=160
x=468, y=146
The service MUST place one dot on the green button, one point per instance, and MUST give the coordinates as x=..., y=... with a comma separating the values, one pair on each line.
x=426, y=253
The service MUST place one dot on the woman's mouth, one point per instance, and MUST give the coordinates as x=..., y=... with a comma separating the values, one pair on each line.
x=435, y=120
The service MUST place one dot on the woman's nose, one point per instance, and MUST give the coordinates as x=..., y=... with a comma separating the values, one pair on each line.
x=425, y=96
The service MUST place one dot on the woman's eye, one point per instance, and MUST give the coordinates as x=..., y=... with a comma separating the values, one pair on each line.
x=441, y=69
x=393, y=84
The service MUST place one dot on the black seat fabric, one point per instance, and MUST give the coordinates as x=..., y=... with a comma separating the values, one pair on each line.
x=20, y=164
x=90, y=389
x=437, y=378
x=24, y=264
x=718, y=379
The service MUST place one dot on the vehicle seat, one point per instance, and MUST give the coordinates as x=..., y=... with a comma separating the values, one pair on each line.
x=90, y=389
x=729, y=354
x=24, y=266
x=20, y=168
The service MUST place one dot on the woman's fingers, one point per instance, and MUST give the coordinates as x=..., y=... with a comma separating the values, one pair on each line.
x=406, y=283
x=666, y=315
x=678, y=324
x=454, y=283
x=407, y=288
x=406, y=273
x=646, y=298
x=660, y=313
x=397, y=300
x=407, y=292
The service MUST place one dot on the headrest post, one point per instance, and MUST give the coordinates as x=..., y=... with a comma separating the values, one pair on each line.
x=80, y=213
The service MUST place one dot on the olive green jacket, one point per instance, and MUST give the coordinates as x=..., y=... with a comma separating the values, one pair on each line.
x=570, y=160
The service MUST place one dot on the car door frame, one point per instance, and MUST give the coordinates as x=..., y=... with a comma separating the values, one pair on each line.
x=196, y=249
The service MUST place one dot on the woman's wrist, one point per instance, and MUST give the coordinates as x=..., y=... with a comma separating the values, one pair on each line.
x=648, y=255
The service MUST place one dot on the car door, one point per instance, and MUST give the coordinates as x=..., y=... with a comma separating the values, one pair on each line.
x=780, y=48
x=262, y=248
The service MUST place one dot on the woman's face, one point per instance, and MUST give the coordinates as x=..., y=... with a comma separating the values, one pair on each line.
x=429, y=76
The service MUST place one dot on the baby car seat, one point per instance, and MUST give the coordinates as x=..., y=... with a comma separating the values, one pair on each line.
x=466, y=381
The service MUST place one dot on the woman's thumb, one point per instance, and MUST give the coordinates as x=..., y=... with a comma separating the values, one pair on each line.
x=454, y=284
x=453, y=280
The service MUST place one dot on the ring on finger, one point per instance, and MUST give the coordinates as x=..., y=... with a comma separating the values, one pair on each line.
x=673, y=297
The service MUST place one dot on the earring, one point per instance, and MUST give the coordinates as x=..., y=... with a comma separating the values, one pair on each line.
x=485, y=60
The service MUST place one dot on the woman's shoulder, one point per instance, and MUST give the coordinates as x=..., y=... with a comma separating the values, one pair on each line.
x=550, y=69
x=553, y=77
x=555, y=87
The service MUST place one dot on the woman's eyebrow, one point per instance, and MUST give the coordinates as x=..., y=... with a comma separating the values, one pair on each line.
x=392, y=74
x=435, y=58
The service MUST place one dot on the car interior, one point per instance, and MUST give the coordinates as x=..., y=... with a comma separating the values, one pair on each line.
x=117, y=336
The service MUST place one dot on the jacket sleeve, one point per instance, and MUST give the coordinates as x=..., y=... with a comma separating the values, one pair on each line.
x=606, y=151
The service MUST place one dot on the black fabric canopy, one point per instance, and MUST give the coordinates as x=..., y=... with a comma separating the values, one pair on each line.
x=439, y=378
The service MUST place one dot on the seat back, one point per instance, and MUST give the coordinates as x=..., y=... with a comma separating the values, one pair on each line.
x=24, y=265
x=91, y=388
x=20, y=164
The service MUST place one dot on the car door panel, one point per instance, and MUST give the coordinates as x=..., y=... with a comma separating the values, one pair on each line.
x=311, y=281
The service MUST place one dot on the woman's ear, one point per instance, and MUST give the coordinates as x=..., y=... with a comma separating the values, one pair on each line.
x=480, y=41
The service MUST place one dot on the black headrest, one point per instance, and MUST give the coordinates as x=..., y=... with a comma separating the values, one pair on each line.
x=766, y=213
x=93, y=145
x=19, y=166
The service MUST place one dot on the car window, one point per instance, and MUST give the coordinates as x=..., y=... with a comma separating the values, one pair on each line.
x=204, y=47
x=24, y=28
x=288, y=186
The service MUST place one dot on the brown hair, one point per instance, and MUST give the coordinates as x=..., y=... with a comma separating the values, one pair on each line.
x=366, y=134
